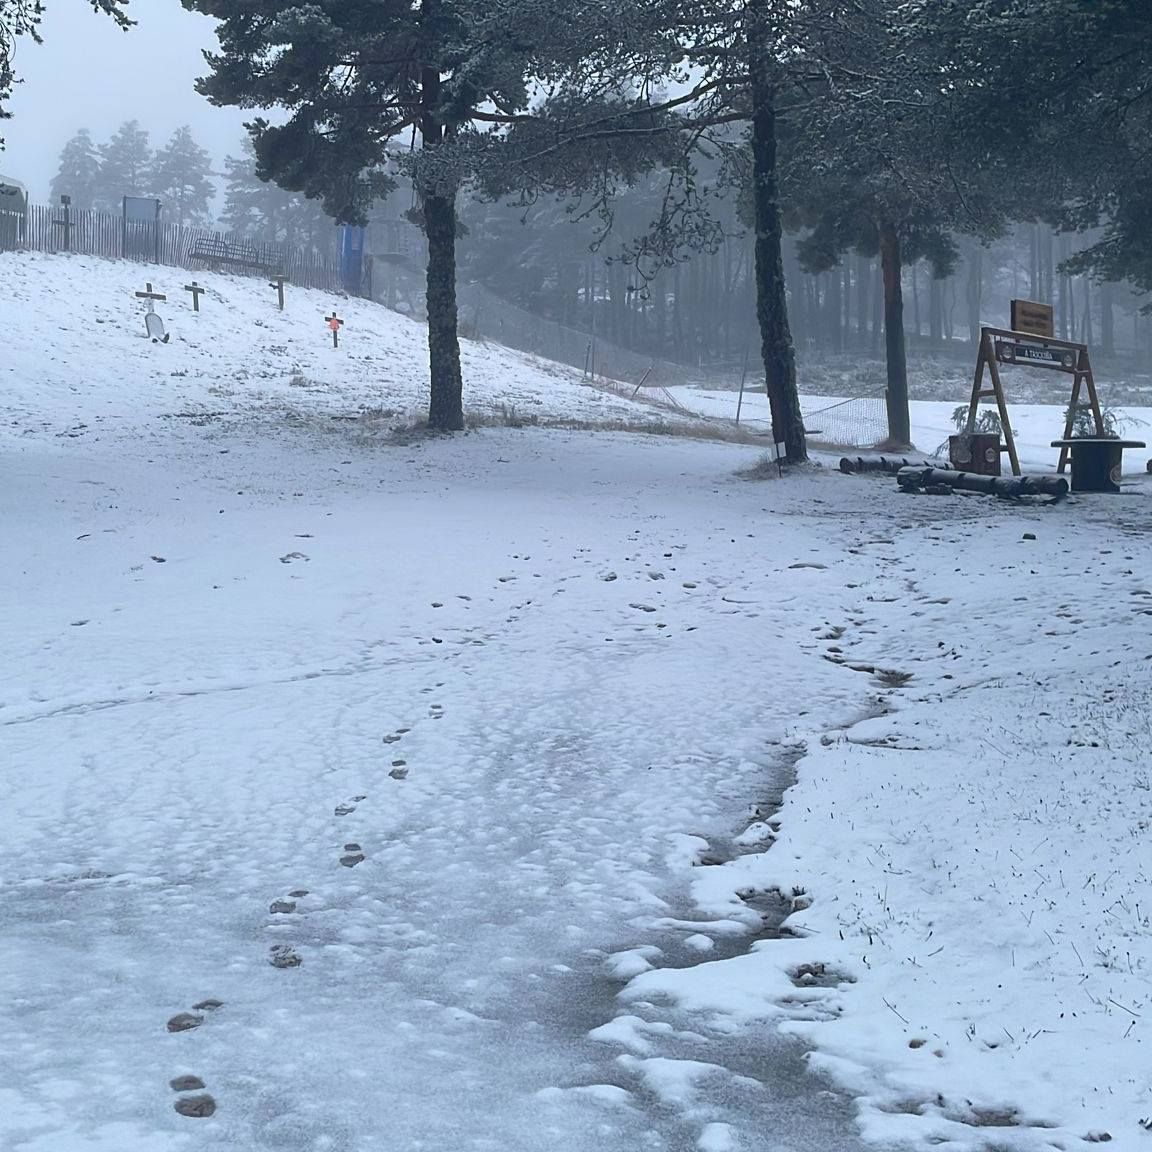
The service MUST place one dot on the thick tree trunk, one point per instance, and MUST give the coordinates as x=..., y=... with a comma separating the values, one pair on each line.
x=833, y=311
x=1107, y=323
x=899, y=422
x=1062, y=311
x=1047, y=283
x=863, y=304
x=877, y=305
x=1035, y=265
x=975, y=292
x=446, y=404
x=935, y=309
x=914, y=276
x=771, y=299
x=1069, y=289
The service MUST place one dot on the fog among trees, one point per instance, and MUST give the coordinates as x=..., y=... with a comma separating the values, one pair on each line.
x=708, y=184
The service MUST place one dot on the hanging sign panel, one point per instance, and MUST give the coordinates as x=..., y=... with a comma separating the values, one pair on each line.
x=1033, y=318
x=1012, y=353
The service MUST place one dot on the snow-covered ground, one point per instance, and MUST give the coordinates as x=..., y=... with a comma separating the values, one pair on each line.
x=68, y=322
x=453, y=769
x=1035, y=426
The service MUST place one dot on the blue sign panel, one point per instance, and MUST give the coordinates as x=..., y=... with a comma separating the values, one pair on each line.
x=351, y=257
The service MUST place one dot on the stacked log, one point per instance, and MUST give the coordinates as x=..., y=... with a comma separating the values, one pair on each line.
x=927, y=479
x=851, y=465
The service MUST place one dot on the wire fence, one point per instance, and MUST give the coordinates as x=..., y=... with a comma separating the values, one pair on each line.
x=858, y=422
x=40, y=228
x=484, y=315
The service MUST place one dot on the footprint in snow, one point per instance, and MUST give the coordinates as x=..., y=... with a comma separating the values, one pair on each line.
x=186, y=1021
x=349, y=806
x=284, y=956
x=353, y=855
x=186, y=1084
x=193, y=1102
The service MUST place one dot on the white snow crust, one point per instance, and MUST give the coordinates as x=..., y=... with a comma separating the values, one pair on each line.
x=584, y=714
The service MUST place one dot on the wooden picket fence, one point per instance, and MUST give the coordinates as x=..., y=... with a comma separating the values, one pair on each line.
x=92, y=233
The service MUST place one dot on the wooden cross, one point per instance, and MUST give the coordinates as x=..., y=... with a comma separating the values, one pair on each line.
x=66, y=222
x=334, y=323
x=149, y=295
x=278, y=284
x=196, y=291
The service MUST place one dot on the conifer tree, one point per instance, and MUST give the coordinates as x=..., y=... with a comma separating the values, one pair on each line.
x=125, y=167
x=354, y=74
x=874, y=164
x=264, y=211
x=78, y=174
x=1059, y=94
x=682, y=71
x=181, y=176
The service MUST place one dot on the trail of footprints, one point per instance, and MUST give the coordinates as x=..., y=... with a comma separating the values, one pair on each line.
x=192, y=1100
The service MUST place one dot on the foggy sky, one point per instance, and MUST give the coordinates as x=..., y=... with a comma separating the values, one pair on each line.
x=89, y=74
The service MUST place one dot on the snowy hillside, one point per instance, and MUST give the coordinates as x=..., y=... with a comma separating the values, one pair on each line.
x=73, y=327
x=538, y=790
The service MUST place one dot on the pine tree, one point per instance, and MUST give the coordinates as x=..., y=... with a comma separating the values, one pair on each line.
x=354, y=74
x=642, y=72
x=125, y=167
x=875, y=164
x=872, y=167
x=1059, y=93
x=264, y=211
x=181, y=176
x=78, y=175
x=242, y=194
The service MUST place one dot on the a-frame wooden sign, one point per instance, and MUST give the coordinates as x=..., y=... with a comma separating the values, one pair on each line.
x=1031, y=349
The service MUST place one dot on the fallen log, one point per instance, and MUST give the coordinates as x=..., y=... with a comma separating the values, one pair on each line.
x=916, y=479
x=851, y=465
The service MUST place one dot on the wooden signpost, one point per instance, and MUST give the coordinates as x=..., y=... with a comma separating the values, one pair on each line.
x=1030, y=347
x=65, y=222
x=196, y=291
x=334, y=323
x=278, y=283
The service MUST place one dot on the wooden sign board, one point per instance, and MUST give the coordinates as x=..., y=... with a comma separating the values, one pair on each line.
x=1035, y=319
x=1002, y=346
x=1058, y=358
